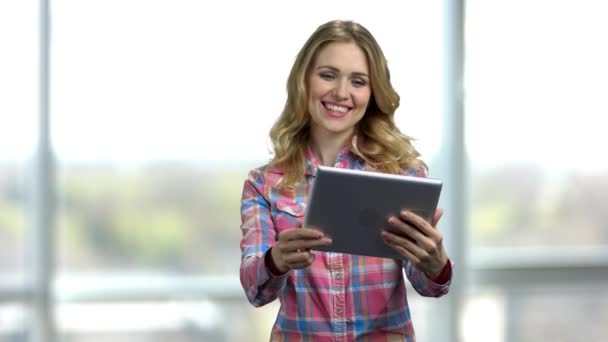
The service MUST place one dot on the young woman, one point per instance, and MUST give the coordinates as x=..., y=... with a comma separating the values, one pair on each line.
x=339, y=112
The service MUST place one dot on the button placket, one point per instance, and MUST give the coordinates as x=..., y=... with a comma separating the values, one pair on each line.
x=336, y=270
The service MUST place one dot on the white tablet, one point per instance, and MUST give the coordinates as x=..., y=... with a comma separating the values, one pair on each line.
x=352, y=206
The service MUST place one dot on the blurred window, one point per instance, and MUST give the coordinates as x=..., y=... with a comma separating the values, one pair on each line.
x=18, y=113
x=535, y=108
x=538, y=182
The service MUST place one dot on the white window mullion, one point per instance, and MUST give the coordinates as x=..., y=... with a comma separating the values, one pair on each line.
x=41, y=247
x=450, y=167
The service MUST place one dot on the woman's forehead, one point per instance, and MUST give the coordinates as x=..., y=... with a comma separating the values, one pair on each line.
x=343, y=56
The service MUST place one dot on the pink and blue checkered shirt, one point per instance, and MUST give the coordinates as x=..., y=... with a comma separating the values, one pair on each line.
x=340, y=297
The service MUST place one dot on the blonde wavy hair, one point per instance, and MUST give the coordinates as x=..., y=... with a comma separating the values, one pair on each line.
x=379, y=141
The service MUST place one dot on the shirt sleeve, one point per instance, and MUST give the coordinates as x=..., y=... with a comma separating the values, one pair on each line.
x=423, y=284
x=260, y=286
x=445, y=275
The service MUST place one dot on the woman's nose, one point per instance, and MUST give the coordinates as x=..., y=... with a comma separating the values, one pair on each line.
x=341, y=89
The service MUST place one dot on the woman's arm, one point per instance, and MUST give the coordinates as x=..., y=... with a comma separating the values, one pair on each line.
x=260, y=285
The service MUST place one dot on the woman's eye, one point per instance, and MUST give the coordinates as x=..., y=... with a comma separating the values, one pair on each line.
x=359, y=83
x=327, y=76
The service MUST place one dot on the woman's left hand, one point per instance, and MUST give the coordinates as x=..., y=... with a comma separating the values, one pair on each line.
x=418, y=241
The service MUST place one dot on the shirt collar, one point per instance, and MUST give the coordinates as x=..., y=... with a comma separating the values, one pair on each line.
x=347, y=158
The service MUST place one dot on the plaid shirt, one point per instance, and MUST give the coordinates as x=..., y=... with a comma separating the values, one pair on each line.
x=340, y=297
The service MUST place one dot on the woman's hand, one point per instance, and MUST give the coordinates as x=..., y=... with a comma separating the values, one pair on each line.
x=418, y=241
x=292, y=250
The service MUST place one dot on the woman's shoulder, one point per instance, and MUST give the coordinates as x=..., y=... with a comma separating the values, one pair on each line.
x=417, y=169
x=265, y=174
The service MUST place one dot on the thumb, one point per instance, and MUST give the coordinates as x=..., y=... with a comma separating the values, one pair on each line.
x=437, y=217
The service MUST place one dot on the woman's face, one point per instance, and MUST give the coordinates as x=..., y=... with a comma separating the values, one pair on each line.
x=339, y=89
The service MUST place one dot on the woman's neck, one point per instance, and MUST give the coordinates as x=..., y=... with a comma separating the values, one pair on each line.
x=326, y=149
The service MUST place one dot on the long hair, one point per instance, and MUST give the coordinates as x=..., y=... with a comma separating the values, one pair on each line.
x=379, y=141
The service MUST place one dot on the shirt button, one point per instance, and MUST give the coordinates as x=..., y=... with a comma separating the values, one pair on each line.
x=340, y=312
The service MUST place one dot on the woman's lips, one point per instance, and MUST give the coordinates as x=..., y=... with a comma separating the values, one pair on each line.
x=336, y=111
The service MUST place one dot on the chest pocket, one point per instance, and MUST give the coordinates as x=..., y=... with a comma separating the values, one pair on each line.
x=289, y=214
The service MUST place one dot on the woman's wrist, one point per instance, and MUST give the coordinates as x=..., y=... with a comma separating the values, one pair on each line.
x=271, y=266
x=444, y=275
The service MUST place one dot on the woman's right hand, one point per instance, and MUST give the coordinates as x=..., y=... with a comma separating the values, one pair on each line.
x=292, y=250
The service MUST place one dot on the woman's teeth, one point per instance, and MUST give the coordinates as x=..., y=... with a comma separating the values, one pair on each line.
x=335, y=108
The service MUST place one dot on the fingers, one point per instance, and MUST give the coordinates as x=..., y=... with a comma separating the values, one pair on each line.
x=302, y=238
x=402, y=250
x=296, y=260
x=428, y=261
x=301, y=258
x=303, y=245
x=423, y=225
x=404, y=244
x=295, y=246
x=417, y=240
x=301, y=234
x=419, y=224
x=415, y=234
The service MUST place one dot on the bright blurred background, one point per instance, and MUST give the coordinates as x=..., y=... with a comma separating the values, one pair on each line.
x=127, y=128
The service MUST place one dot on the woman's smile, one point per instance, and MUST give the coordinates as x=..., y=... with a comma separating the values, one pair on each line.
x=335, y=110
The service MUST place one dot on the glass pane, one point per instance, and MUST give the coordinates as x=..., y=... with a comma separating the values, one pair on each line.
x=12, y=323
x=18, y=110
x=199, y=321
x=535, y=122
x=153, y=148
x=561, y=315
x=171, y=217
x=537, y=314
x=484, y=317
x=12, y=219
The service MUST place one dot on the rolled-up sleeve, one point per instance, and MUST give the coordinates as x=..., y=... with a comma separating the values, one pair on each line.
x=423, y=285
x=258, y=236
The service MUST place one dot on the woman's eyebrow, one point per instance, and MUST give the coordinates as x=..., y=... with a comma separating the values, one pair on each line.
x=334, y=69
